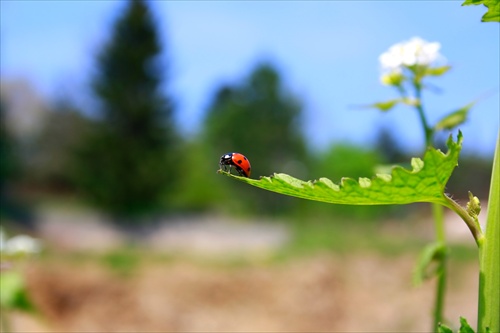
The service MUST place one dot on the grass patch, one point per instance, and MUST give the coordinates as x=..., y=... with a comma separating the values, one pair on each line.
x=386, y=238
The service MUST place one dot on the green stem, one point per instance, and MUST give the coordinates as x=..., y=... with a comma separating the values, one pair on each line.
x=437, y=212
x=438, y=215
x=428, y=131
x=473, y=226
x=489, y=257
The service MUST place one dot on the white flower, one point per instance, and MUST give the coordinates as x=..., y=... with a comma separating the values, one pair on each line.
x=20, y=244
x=416, y=51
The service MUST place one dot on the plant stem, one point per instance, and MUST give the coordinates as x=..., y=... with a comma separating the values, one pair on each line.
x=428, y=131
x=437, y=212
x=489, y=257
x=438, y=215
x=474, y=228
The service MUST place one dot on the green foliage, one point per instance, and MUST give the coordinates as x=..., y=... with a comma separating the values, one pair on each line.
x=493, y=13
x=454, y=118
x=437, y=71
x=448, y=122
x=13, y=295
x=424, y=183
x=390, y=104
x=122, y=262
x=8, y=160
x=12, y=206
x=63, y=129
x=346, y=160
x=387, y=105
x=442, y=328
x=464, y=327
x=432, y=252
x=348, y=235
x=127, y=164
x=202, y=190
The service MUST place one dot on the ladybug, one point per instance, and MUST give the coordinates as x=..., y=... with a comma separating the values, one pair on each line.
x=239, y=161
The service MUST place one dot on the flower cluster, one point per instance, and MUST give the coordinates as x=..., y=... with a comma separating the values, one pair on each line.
x=412, y=54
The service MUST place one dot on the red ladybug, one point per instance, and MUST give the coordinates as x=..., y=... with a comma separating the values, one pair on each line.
x=239, y=161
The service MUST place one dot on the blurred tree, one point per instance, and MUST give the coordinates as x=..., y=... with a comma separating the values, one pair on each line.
x=12, y=208
x=346, y=160
x=63, y=128
x=388, y=147
x=202, y=190
x=8, y=160
x=127, y=165
x=261, y=120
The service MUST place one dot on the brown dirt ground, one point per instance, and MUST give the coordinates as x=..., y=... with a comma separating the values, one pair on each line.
x=348, y=293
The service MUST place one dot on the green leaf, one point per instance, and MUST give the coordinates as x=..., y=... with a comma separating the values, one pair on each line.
x=423, y=268
x=437, y=71
x=388, y=105
x=472, y=2
x=14, y=294
x=455, y=118
x=442, y=328
x=493, y=13
x=424, y=183
x=385, y=106
x=464, y=326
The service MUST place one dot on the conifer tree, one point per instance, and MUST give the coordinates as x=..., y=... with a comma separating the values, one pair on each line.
x=126, y=165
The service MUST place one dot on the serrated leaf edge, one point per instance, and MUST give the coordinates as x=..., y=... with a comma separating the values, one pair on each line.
x=295, y=185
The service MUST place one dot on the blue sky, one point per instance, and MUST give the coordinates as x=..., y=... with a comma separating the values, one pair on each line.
x=327, y=52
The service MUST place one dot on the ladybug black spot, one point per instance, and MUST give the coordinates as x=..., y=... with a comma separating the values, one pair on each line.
x=239, y=161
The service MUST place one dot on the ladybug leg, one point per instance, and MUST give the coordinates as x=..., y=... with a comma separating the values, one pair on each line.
x=224, y=167
x=240, y=171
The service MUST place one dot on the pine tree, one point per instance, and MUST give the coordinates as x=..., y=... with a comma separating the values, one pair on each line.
x=126, y=166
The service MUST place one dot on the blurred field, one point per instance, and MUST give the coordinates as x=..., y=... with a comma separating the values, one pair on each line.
x=220, y=275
